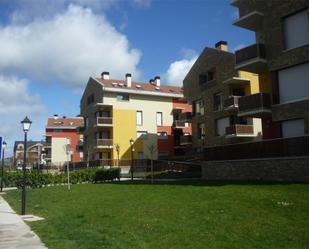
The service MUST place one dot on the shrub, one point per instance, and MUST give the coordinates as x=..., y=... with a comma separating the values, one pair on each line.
x=35, y=179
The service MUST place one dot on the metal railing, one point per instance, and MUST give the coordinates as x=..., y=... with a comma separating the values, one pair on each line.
x=104, y=120
x=232, y=102
x=185, y=139
x=254, y=51
x=254, y=102
x=104, y=142
x=239, y=129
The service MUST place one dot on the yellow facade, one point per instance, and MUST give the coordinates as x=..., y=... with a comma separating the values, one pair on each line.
x=124, y=129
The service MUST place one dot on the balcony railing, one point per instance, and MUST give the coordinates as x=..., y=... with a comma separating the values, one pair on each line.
x=105, y=143
x=179, y=123
x=104, y=121
x=255, y=105
x=187, y=139
x=239, y=130
x=251, y=52
x=280, y=147
x=185, y=116
x=231, y=102
x=252, y=20
x=252, y=58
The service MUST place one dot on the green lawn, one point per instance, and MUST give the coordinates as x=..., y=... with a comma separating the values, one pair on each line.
x=192, y=215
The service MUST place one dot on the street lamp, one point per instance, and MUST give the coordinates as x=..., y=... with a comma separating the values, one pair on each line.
x=2, y=170
x=132, y=149
x=117, y=150
x=26, y=123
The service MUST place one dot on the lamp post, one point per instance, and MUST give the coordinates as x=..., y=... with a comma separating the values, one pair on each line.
x=117, y=150
x=132, y=149
x=2, y=170
x=26, y=123
x=203, y=142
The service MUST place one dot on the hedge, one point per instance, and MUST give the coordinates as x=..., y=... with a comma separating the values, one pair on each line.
x=35, y=179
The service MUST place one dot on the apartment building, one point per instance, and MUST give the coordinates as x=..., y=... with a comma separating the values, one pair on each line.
x=215, y=88
x=280, y=57
x=117, y=111
x=63, y=140
x=34, y=152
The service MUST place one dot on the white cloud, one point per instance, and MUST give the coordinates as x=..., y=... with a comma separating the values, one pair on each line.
x=68, y=48
x=15, y=103
x=179, y=69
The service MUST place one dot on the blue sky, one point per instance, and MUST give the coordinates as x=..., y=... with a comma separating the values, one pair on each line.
x=46, y=57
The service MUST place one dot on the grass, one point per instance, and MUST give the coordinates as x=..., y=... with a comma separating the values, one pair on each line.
x=189, y=215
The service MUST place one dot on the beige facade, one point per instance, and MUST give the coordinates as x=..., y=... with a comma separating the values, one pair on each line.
x=128, y=111
x=59, y=155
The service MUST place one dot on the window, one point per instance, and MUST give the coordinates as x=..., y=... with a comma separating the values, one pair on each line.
x=141, y=134
x=296, y=29
x=159, y=118
x=139, y=117
x=162, y=135
x=206, y=77
x=293, y=128
x=221, y=124
x=199, y=107
x=293, y=83
x=201, y=130
x=90, y=99
x=103, y=135
x=140, y=155
x=218, y=101
x=123, y=97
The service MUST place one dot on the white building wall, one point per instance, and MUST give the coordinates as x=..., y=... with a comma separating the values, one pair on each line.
x=58, y=150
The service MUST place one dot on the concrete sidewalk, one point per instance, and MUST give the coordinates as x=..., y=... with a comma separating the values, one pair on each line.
x=14, y=233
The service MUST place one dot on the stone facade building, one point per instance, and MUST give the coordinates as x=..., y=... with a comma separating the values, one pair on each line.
x=214, y=87
x=281, y=58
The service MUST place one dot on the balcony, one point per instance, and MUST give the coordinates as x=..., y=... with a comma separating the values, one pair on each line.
x=239, y=130
x=251, y=59
x=104, y=121
x=179, y=124
x=185, y=116
x=104, y=143
x=231, y=103
x=252, y=21
x=237, y=81
x=256, y=105
x=185, y=140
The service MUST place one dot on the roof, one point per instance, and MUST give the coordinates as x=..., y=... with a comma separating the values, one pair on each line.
x=68, y=123
x=29, y=143
x=140, y=86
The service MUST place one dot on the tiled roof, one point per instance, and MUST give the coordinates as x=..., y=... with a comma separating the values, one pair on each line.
x=121, y=84
x=29, y=143
x=65, y=122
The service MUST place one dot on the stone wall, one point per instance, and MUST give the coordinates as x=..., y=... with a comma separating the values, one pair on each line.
x=272, y=169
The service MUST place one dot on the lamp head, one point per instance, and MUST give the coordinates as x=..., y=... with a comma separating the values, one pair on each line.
x=26, y=123
x=4, y=144
x=131, y=141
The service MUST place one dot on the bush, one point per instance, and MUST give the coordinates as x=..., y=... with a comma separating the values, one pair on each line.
x=35, y=179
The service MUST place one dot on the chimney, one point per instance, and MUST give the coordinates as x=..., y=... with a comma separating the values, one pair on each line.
x=105, y=75
x=157, y=80
x=128, y=80
x=221, y=45
x=55, y=116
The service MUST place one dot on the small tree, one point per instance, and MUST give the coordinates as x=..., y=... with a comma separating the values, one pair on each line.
x=152, y=149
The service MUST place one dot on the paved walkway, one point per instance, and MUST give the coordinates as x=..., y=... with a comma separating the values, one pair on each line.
x=14, y=233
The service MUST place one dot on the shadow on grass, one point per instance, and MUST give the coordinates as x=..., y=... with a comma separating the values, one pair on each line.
x=200, y=182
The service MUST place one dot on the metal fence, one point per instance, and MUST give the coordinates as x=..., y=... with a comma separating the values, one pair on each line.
x=139, y=168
